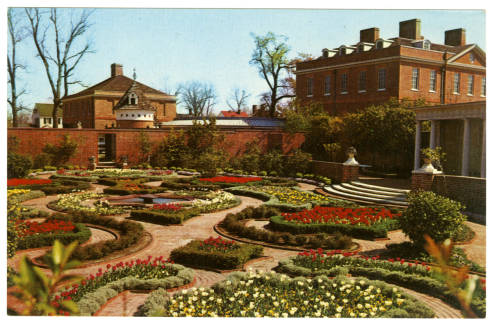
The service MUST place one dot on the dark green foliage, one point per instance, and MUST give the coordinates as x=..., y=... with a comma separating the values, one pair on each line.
x=463, y=234
x=58, y=187
x=80, y=234
x=299, y=162
x=60, y=154
x=379, y=230
x=18, y=198
x=27, y=212
x=164, y=217
x=128, y=186
x=208, y=162
x=130, y=233
x=42, y=160
x=431, y=214
x=191, y=255
x=172, y=151
x=17, y=165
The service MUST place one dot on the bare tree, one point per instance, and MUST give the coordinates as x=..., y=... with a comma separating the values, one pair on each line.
x=61, y=64
x=238, y=100
x=270, y=57
x=16, y=34
x=198, y=98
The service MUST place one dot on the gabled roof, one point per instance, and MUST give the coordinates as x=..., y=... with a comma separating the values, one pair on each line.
x=118, y=83
x=46, y=110
x=142, y=103
x=466, y=49
x=233, y=114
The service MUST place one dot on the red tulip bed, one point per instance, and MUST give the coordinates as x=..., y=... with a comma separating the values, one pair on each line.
x=215, y=253
x=231, y=179
x=149, y=273
x=171, y=207
x=26, y=181
x=364, y=223
x=28, y=228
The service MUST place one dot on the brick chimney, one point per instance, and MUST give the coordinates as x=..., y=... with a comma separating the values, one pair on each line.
x=455, y=37
x=369, y=35
x=410, y=29
x=116, y=69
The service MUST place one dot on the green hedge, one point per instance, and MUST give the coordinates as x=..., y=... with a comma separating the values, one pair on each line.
x=234, y=224
x=164, y=217
x=80, y=234
x=379, y=230
x=117, y=186
x=424, y=284
x=75, y=178
x=191, y=255
x=27, y=212
x=91, y=302
x=130, y=233
x=19, y=198
x=59, y=186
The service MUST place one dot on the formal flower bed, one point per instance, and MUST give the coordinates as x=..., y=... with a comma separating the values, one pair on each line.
x=12, y=182
x=230, y=179
x=58, y=186
x=412, y=274
x=275, y=295
x=364, y=223
x=141, y=274
x=21, y=195
x=235, y=224
x=129, y=186
x=214, y=201
x=29, y=228
x=115, y=173
x=73, y=202
x=173, y=207
x=215, y=253
x=288, y=198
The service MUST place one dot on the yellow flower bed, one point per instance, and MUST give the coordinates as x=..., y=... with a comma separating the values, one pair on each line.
x=290, y=195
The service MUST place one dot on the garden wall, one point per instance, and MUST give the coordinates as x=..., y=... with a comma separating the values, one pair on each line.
x=467, y=190
x=32, y=140
x=338, y=172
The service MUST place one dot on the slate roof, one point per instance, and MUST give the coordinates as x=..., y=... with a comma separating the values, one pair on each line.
x=46, y=110
x=118, y=83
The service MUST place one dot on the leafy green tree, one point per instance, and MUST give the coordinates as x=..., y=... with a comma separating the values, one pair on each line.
x=61, y=153
x=37, y=290
x=325, y=131
x=172, y=151
x=145, y=146
x=430, y=214
x=270, y=58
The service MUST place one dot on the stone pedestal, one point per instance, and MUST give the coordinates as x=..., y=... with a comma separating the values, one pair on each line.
x=422, y=178
x=349, y=173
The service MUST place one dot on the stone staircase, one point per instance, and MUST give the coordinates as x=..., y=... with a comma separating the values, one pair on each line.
x=108, y=164
x=368, y=194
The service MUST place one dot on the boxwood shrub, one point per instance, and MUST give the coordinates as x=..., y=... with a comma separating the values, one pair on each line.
x=191, y=255
x=119, y=186
x=379, y=230
x=81, y=234
x=130, y=233
x=19, y=198
x=164, y=217
x=59, y=186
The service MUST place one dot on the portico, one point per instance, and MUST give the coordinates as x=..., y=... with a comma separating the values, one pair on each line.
x=460, y=130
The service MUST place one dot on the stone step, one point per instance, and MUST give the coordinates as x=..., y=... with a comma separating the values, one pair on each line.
x=380, y=188
x=367, y=194
x=365, y=199
x=372, y=191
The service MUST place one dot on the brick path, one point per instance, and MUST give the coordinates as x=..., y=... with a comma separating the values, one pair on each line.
x=167, y=238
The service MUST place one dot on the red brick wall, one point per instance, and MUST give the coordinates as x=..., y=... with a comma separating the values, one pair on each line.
x=32, y=140
x=422, y=181
x=467, y=190
x=338, y=172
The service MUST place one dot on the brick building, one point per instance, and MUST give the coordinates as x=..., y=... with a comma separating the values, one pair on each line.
x=352, y=77
x=97, y=106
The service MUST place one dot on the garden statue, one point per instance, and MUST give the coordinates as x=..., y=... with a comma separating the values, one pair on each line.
x=92, y=163
x=79, y=125
x=351, y=152
x=124, y=162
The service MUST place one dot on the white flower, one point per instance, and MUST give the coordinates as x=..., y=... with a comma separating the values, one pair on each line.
x=339, y=309
x=285, y=315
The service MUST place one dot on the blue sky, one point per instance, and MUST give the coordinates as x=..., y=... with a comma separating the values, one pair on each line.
x=172, y=46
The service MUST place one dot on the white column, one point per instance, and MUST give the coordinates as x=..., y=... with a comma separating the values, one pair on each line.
x=418, y=130
x=465, y=161
x=433, y=134
x=438, y=133
x=484, y=146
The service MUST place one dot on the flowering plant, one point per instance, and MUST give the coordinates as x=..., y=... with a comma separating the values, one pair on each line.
x=231, y=179
x=217, y=244
x=359, y=216
x=28, y=228
x=167, y=207
x=27, y=181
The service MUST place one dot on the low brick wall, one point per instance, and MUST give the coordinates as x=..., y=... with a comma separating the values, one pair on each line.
x=471, y=191
x=338, y=172
x=422, y=181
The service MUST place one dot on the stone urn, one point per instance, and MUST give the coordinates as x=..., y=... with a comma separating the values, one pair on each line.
x=351, y=152
x=124, y=162
x=427, y=167
x=92, y=163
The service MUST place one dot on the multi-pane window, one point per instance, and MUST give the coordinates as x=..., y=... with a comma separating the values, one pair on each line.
x=343, y=85
x=327, y=85
x=471, y=82
x=362, y=81
x=456, y=83
x=433, y=81
x=47, y=120
x=483, y=90
x=415, y=79
x=382, y=79
x=309, y=86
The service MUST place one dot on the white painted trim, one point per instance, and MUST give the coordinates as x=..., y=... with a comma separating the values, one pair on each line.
x=455, y=57
x=345, y=92
x=381, y=90
x=415, y=90
x=362, y=91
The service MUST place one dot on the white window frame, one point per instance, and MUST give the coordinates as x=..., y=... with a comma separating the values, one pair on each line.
x=483, y=89
x=382, y=79
x=470, y=85
x=415, y=78
x=309, y=87
x=456, y=83
x=362, y=81
x=328, y=85
x=433, y=81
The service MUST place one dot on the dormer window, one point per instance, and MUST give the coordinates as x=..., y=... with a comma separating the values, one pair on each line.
x=379, y=44
x=383, y=43
x=472, y=58
x=132, y=99
x=427, y=44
